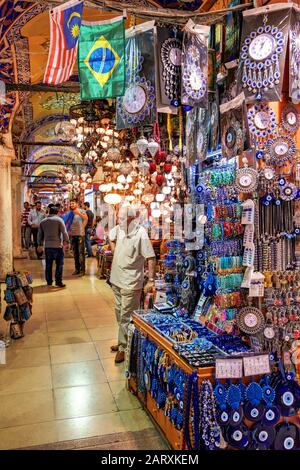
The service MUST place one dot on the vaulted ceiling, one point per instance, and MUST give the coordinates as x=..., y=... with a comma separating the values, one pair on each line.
x=24, y=44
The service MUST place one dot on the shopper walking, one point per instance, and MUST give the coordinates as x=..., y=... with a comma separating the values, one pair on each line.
x=131, y=248
x=88, y=229
x=25, y=227
x=52, y=233
x=77, y=232
x=35, y=217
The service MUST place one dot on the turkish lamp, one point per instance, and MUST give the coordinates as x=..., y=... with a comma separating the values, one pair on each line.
x=112, y=198
x=69, y=187
x=134, y=149
x=130, y=198
x=84, y=176
x=156, y=213
x=119, y=186
x=83, y=185
x=126, y=186
x=121, y=179
x=166, y=190
x=73, y=122
x=69, y=176
x=114, y=154
x=153, y=148
x=89, y=179
x=154, y=205
x=129, y=179
x=160, y=197
x=137, y=192
x=76, y=184
x=142, y=145
x=103, y=188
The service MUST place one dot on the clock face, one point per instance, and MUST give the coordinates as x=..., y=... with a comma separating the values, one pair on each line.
x=269, y=332
x=200, y=141
x=250, y=320
x=281, y=149
x=245, y=181
x=175, y=56
x=134, y=99
x=262, y=47
x=196, y=80
x=291, y=118
x=269, y=173
x=262, y=120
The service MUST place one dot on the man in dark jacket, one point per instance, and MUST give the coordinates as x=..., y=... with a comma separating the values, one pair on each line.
x=53, y=232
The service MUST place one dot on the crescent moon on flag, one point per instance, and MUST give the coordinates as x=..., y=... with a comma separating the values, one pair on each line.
x=74, y=14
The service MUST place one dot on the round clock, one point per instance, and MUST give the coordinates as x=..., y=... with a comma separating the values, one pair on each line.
x=262, y=122
x=269, y=173
x=175, y=56
x=259, y=58
x=232, y=137
x=250, y=320
x=246, y=180
x=269, y=332
x=262, y=46
x=281, y=149
x=134, y=99
x=288, y=192
x=290, y=118
x=194, y=81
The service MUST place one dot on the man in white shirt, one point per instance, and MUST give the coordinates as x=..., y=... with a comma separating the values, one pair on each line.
x=131, y=248
x=36, y=215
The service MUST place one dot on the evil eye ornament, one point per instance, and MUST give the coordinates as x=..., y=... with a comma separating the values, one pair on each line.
x=290, y=118
x=287, y=437
x=263, y=436
x=236, y=416
x=253, y=412
x=288, y=192
x=281, y=149
x=238, y=438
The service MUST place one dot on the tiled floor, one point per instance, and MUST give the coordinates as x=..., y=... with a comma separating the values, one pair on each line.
x=60, y=381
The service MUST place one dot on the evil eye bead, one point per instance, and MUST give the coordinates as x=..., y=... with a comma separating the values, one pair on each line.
x=267, y=28
x=274, y=30
x=261, y=29
x=237, y=435
x=253, y=34
x=279, y=49
x=244, y=56
x=274, y=57
x=247, y=40
x=279, y=35
x=280, y=42
x=254, y=413
x=260, y=65
x=281, y=182
x=247, y=62
x=263, y=436
x=269, y=198
x=288, y=443
x=288, y=399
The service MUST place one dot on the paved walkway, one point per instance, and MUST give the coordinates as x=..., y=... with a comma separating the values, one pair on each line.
x=60, y=381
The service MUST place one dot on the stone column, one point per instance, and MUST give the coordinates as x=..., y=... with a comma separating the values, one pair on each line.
x=6, y=243
x=16, y=196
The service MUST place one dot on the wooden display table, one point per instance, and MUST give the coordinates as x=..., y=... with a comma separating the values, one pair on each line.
x=173, y=436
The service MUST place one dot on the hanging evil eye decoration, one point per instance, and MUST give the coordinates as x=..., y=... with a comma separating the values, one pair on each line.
x=294, y=68
x=259, y=58
x=138, y=101
x=170, y=54
x=194, y=80
x=287, y=437
x=290, y=118
x=281, y=149
x=262, y=123
x=250, y=320
x=246, y=180
x=263, y=436
x=232, y=138
x=288, y=192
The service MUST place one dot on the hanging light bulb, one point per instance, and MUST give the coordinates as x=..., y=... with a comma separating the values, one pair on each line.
x=84, y=176
x=134, y=149
x=137, y=192
x=154, y=205
x=112, y=198
x=130, y=198
x=89, y=179
x=129, y=179
x=166, y=190
x=160, y=197
x=156, y=213
x=153, y=148
x=121, y=179
x=103, y=188
x=83, y=185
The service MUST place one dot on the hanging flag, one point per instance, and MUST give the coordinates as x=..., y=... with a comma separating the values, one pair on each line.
x=101, y=59
x=65, y=21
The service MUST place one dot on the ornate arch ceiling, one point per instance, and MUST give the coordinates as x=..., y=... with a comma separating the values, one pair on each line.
x=24, y=43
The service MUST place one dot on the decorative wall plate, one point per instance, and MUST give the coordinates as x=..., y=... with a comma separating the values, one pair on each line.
x=232, y=138
x=246, y=180
x=290, y=117
x=288, y=192
x=260, y=54
x=281, y=149
x=194, y=69
x=250, y=320
x=262, y=122
x=171, y=59
x=137, y=102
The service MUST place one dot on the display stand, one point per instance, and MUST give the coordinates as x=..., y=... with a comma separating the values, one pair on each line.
x=172, y=435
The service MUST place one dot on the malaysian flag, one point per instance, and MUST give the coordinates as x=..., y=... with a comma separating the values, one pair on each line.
x=65, y=21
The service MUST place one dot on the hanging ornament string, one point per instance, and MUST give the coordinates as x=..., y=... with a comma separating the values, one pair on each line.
x=180, y=129
x=169, y=130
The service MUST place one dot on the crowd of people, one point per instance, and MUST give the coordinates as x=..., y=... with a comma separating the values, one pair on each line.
x=51, y=231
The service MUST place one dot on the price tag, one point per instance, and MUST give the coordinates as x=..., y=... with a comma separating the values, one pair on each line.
x=256, y=365
x=229, y=368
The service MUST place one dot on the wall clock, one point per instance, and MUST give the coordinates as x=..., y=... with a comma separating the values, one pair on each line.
x=290, y=118
x=260, y=53
x=280, y=149
x=232, y=138
x=170, y=53
x=262, y=123
x=250, y=320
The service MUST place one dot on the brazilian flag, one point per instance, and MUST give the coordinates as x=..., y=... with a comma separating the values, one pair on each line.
x=101, y=59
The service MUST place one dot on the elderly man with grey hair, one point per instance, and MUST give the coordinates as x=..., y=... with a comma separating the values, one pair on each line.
x=131, y=248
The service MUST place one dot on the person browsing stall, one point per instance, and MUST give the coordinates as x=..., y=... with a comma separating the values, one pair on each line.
x=77, y=234
x=131, y=248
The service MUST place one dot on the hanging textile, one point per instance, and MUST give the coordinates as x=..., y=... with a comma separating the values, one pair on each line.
x=138, y=105
x=232, y=33
x=234, y=127
x=194, y=88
